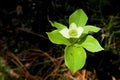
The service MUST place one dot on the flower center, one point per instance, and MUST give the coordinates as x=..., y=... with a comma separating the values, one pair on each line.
x=73, y=32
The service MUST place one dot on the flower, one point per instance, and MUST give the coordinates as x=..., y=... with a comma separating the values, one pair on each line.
x=72, y=32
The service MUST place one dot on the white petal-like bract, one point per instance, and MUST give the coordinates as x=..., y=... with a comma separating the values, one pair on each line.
x=72, y=32
x=64, y=32
x=79, y=30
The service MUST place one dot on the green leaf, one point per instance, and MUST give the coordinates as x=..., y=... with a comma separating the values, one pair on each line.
x=57, y=38
x=90, y=28
x=57, y=25
x=78, y=17
x=91, y=44
x=75, y=57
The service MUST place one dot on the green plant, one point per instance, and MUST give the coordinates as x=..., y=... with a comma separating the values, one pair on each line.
x=76, y=38
x=110, y=34
x=4, y=70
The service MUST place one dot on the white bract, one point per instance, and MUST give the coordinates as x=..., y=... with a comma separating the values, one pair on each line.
x=72, y=32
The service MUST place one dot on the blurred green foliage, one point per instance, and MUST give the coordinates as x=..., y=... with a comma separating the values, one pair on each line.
x=4, y=70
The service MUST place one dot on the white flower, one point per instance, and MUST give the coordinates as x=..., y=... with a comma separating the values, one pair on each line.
x=72, y=32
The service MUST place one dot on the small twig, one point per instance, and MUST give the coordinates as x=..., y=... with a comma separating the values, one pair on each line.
x=25, y=72
x=28, y=31
x=46, y=54
x=113, y=78
x=58, y=65
x=55, y=71
x=14, y=57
